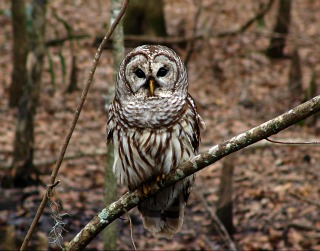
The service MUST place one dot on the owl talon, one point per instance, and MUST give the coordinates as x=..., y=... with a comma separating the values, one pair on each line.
x=145, y=189
x=161, y=178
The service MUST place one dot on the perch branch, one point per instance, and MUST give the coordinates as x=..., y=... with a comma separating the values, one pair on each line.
x=130, y=200
x=73, y=125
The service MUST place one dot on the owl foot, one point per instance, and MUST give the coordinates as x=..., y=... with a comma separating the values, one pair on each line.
x=160, y=179
x=144, y=189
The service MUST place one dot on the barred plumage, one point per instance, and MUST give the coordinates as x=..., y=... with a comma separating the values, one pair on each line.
x=154, y=126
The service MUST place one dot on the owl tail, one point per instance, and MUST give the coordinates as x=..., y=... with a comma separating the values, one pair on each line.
x=164, y=222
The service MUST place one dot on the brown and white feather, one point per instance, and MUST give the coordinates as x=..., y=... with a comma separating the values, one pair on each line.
x=152, y=135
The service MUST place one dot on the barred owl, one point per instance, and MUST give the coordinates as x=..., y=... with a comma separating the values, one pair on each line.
x=154, y=126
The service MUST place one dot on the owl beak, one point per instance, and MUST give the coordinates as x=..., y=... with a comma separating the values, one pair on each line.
x=151, y=86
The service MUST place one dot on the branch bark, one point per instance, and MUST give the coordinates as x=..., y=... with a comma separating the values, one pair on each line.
x=215, y=153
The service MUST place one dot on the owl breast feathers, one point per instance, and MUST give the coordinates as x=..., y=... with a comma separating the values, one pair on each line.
x=154, y=126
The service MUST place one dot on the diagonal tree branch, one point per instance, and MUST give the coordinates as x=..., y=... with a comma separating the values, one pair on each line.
x=130, y=200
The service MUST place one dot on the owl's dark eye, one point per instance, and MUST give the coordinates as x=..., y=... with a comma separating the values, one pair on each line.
x=162, y=72
x=139, y=73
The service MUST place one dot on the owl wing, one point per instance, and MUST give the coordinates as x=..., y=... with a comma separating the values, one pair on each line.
x=110, y=123
x=196, y=125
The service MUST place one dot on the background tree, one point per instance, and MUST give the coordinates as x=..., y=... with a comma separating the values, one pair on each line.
x=110, y=234
x=281, y=30
x=295, y=80
x=144, y=18
x=22, y=170
x=19, y=51
x=73, y=80
x=224, y=204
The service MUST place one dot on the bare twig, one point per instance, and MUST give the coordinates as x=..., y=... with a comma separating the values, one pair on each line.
x=60, y=41
x=215, y=153
x=293, y=143
x=71, y=156
x=219, y=226
x=51, y=187
x=73, y=124
x=310, y=202
x=256, y=17
x=298, y=226
x=142, y=39
x=50, y=161
x=131, y=231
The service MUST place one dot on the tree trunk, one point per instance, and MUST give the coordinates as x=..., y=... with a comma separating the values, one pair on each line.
x=295, y=80
x=224, y=204
x=73, y=84
x=22, y=170
x=20, y=51
x=280, y=31
x=145, y=17
x=110, y=234
x=312, y=91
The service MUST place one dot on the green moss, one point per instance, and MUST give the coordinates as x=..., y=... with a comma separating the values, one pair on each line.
x=103, y=215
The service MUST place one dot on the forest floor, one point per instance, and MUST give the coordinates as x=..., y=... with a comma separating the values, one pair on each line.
x=276, y=188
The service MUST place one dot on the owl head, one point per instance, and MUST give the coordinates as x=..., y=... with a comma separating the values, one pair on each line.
x=151, y=72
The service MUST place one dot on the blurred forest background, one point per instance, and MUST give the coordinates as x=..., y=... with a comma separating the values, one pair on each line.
x=248, y=61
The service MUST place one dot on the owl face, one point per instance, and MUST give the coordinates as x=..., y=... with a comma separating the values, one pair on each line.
x=152, y=72
x=151, y=87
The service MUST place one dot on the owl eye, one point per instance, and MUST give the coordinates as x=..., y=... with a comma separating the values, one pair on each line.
x=162, y=72
x=139, y=73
